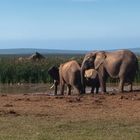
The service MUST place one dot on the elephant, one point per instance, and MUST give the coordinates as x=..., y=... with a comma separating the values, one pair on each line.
x=120, y=64
x=54, y=73
x=69, y=73
x=92, y=80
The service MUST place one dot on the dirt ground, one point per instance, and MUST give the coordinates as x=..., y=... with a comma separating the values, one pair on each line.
x=86, y=107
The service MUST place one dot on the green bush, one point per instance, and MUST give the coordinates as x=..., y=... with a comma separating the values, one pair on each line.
x=14, y=71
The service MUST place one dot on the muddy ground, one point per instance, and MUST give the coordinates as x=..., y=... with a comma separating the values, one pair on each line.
x=109, y=106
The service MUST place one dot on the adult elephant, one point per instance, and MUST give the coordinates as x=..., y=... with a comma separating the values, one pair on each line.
x=121, y=64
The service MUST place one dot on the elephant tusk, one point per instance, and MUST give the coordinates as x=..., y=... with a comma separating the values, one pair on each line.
x=52, y=86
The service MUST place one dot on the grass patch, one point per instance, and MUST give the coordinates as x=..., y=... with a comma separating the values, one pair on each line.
x=39, y=128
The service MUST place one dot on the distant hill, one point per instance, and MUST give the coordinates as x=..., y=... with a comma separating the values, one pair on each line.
x=26, y=51
x=136, y=51
x=42, y=51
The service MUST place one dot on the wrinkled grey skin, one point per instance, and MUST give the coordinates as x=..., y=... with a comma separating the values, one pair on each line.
x=121, y=64
x=67, y=74
x=93, y=83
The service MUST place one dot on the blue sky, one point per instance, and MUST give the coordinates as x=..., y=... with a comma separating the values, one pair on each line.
x=70, y=24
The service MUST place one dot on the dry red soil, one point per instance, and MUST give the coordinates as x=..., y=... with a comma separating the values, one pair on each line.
x=109, y=106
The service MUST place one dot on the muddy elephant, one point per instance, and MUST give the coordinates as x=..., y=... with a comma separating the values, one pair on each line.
x=69, y=74
x=92, y=80
x=121, y=64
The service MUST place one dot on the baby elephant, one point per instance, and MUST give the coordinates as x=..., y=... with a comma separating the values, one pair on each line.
x=92, y=80
x=69, y=74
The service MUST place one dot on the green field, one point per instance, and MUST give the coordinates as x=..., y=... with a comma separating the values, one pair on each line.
x=33, y=128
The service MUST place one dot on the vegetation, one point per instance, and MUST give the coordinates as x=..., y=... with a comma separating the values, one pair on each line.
x=36, y=128
x=13, y=70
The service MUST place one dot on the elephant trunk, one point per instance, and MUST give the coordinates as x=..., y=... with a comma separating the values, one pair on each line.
x=83, y=77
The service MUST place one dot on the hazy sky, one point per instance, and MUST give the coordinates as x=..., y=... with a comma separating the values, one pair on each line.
x=70, y=24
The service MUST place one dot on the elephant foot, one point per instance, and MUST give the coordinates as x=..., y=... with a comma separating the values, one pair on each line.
x=92, y=92
x=82, y=94
x=61, y=94
x=131, y=90
x=68, y=94
x=102, y=92
x=120, y=91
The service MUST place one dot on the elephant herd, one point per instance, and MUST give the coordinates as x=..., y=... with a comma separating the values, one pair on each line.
x=96, y=67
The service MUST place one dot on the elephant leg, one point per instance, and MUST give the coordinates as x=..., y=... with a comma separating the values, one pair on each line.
x=76, y=89
x=103, y=85
x=55, y=90
x=62, y=86
x=121, y=85
x=131, y=87
x=55, y=86
x=68, y=90
x=84, y=88
x=92, y=89
x=97, y=90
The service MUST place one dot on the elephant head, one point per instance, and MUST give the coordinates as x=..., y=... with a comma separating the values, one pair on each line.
x=54, y=73
x=92, y=60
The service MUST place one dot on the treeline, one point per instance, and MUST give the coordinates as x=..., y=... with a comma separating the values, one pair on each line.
x=14, y=71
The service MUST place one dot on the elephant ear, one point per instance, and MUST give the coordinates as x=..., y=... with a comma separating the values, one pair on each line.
x=100, y=58
x=54, y=72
